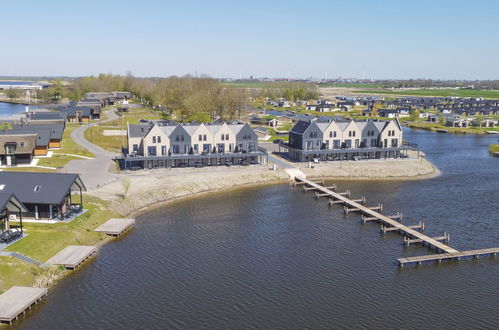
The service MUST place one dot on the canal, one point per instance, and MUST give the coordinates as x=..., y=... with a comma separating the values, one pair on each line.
x=274, y=257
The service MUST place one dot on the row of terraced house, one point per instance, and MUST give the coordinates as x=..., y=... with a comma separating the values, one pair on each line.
x=169, y=144
x=338, y=140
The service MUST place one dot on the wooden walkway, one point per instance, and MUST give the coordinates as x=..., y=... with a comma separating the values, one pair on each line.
x=17, y=300
x=72, y=256
x=116, y=227
x=389, y=223
x=448, y=256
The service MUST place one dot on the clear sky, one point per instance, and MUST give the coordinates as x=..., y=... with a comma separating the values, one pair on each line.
x=437, y=39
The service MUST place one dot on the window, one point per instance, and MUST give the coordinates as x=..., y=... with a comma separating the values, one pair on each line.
x=182, y=138
x=226, y=137
x=204, y=137
x=37, y=188
x=334, y=134
x=159, y=139
x=153, y=139
x=223, y=137
x=135, y=147
x=163, y=150
x=330, y=134
x=177, y=138
x=200, y=137
x=196, y=148
x=353, y=133
x=2, y=186
x=21, y=144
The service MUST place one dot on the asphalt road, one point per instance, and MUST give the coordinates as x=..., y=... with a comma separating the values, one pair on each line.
x=94, y=172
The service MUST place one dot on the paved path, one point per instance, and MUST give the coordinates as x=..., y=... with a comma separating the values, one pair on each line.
x=22, y=257
x=94, y=172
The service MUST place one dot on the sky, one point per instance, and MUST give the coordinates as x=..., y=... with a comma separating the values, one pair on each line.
x=378, y=39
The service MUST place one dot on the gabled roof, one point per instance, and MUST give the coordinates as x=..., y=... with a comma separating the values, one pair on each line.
x=42, y=136
x=138, y=130
x=39, y=188
x=300, y=127
x=10, y=202
x=25, y=143
x=56, y=130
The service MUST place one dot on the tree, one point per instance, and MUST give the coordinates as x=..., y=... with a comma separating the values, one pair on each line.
x=13, y=93
x=126, y=183
x=441, y=119
x=415, y=115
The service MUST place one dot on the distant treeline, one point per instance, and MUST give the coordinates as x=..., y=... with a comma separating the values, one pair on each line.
x=426, y=83
x=187, y=98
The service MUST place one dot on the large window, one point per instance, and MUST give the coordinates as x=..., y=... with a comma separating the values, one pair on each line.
x=151, y=151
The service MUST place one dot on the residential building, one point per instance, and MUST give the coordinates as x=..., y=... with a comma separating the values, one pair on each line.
x=172, y=145
x=345, y=139
x=46, y=196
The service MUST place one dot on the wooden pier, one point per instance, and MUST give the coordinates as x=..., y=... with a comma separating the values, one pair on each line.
x=116, y=227
x=412, y=233
x=72, y=256
x=17, y=300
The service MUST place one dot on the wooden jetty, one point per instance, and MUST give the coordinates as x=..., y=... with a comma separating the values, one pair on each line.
x=393, y=223
x=72, y=256
x=448, y=256
x=17, y=300
x=116, y=227
x=403, y=229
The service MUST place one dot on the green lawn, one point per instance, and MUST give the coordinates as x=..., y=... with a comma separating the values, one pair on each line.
x=56, y=161
x=457, y=130
x=45, y=240
x=15, y=272
x=28, y=169
x=110, y=143
x=435, y=92
x=494, y=148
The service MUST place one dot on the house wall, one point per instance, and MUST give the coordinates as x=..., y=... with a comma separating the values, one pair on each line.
x=371, y=140
x=330, y=138
x=54, y=143
x=156, y=134
x=353, y=134
x=251, y=138
x=228, y=144
x=202, y=130
x=183, y=144
x=41, y=151
x=312, y=137
x=385, y=135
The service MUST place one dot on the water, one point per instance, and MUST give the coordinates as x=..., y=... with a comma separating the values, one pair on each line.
x=274, y=257
x=9, y=109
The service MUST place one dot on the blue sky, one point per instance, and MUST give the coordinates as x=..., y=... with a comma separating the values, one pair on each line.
x=436, y=39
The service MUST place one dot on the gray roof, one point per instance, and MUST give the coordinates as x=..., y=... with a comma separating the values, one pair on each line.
x=56, y=130
x=10, y=202
x=138, y=130
x=39, y=188
x=301, y=126
x=42, y=136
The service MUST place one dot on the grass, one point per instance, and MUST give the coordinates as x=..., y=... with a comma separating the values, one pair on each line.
x=15, y=272
x=457, y=130
x=436, y=92
x=494, y=148
x=352, y=85
x=114, y=143
x=56, y=161
x=45, y=240
x=70, y=147
x=28, y=169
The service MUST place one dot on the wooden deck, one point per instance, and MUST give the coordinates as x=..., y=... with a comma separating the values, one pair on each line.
x=448, y=256
x=389, y=223
x=72, y=256
x=406, y=230
x=17, y=300
x=116, y=227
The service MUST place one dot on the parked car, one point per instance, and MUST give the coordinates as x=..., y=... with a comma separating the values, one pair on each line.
x=278, y=141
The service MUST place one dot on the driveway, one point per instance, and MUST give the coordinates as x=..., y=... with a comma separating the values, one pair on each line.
x=94, y=172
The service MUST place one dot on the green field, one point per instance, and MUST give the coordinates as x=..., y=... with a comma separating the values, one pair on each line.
x=457, y=130
x=494, y=148
x=435, y=92
x=352, y=85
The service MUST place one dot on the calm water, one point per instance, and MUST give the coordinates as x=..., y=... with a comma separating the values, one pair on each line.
x=275, y=257
x=8, y=109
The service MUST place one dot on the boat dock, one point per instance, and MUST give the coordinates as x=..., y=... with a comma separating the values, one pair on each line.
x=17, y=300
x=72, y=256
x=116, y=227
x=412, y=233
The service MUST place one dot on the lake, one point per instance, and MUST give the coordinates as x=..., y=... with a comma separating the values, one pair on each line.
x=274, y=257
x=9, y=109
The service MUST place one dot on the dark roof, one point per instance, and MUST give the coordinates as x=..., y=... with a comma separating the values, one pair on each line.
x=56, y=130
x=42, y=136
x=10, y=202
x=39, y=188
x=301, y=126
x=139, y=130
x=48, y=115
